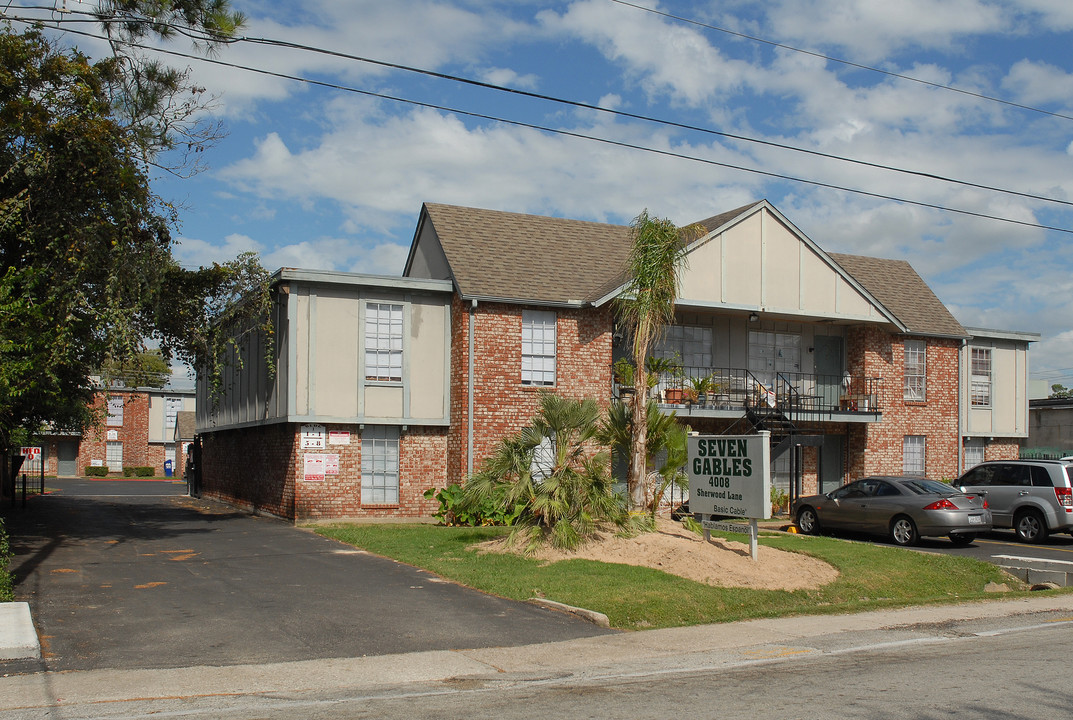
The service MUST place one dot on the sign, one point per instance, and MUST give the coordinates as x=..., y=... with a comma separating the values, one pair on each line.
x=316, y=466
x=113, y=434
x=339, y=437
x=313, y=437
x=725, y=527
x=730, y=475
x=32, y=454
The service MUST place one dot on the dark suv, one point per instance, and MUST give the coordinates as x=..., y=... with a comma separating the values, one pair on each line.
x=1034, y=497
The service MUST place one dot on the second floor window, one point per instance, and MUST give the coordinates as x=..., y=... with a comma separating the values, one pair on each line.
x=538, y=347
x=915, y=370
x=383, y=342
x=115, y=412
x=981, y=377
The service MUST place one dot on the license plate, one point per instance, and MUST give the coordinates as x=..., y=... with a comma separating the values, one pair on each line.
x=976, y=520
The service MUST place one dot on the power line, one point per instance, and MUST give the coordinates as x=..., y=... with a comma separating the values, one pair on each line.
x=620, y=113
x=848, y=63
x=583, y=136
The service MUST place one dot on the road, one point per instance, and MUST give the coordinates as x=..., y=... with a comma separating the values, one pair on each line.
x=135, y=575
x=1001, y=547
x=1006, y=659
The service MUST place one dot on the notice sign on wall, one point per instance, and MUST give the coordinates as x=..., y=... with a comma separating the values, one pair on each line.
x=315, y=466
x=313, y=437
x=339, y=437
x=730, y=475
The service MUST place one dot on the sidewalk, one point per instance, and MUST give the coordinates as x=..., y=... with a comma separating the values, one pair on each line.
x=18, y=638
x=642, y=652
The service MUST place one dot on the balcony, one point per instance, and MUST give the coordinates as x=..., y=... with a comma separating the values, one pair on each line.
x=731, y=392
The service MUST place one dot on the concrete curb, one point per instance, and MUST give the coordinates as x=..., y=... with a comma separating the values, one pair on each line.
x=18, y=638
x=596, y=618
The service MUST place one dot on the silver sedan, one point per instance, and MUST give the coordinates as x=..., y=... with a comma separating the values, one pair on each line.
x=902, y=508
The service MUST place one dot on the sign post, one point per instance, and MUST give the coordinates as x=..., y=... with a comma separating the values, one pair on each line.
x=730, y=475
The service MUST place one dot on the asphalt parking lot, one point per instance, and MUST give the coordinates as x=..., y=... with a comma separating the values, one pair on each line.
x=137, y=575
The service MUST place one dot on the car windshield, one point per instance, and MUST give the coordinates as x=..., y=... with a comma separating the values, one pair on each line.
x=923, y=486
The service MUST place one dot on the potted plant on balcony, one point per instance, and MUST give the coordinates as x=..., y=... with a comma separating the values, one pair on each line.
x=623, y=371
x=700, y=388
x=676, y=393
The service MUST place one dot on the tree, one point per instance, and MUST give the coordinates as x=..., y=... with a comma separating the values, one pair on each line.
x=1060, y=391
x=663, y=433
x=146, y=369
x=657, y=255
x=549, y=469
x=86, y=271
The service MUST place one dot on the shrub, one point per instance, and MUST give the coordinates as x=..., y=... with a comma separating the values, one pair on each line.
x=96, y=471
x=7, y=584
x=454, y=510
x=139, y=471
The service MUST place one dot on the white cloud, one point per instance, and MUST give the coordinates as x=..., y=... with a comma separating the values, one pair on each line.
x=1034, y=83
x=196, y=252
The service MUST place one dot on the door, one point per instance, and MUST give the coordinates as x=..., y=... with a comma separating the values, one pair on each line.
x=828, y=368
x=67, y=459
x=831, y=470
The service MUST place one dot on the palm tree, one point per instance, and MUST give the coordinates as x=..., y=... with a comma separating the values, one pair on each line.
x=647, y=304
x=663, y=433
x=550, y=469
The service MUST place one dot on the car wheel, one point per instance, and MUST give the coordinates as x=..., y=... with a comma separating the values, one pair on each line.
x=962, y=538
x=903, y=531
x=1030, y=527
x=807, y=522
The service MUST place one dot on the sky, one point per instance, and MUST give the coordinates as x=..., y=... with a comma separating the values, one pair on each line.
x=976, y=92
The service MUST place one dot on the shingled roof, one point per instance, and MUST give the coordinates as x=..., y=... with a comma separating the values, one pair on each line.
x=497, y=255
x=896, y=284
x=511, y=256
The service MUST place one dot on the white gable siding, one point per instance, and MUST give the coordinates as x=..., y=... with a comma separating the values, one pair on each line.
x=760, y=263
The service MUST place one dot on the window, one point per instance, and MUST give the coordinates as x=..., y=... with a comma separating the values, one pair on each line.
x=690, y=344
x=974, y=452
x=981, y=377
x=543, y=463
x=114, y=456
x=915, y=370
x=383, y=342
x=115, y=412
x=538, y=347
x=172, y=406
x=913, y=454
x=771, y=353
x=380, y=465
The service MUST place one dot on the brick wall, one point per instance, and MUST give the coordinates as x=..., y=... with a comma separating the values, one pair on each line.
x=502, y=405
x=263, y=468
x=133, y=433
x=874, y=353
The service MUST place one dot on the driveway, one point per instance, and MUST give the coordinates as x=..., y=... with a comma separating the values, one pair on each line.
x=134, y=574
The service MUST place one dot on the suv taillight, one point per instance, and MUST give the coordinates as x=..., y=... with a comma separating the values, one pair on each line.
x=1065, y=498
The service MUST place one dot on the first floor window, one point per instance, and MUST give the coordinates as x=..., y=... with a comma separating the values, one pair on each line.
x=538, y=347
x=974, y=452
x=543, y=463
x=915, y=370
x=380, y=465
x=383, y=342
x=114, y=456
x=913, y=455
x=981, y=377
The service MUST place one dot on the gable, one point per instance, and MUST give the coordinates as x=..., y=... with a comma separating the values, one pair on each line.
x=760, y=261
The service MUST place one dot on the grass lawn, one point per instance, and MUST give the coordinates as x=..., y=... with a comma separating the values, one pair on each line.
x=872, y=576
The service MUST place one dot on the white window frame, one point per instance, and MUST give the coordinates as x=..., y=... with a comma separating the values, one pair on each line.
x=914, y=454
x=380, y=465
x=115, y=412
x=172, y=407
x=916, y=371
x=539, y=341
x=114, y=456
x=974, y=452
x=980, y=383
x=383, y=341
x=542, y=464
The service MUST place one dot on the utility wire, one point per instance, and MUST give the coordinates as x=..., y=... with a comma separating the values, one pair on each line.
x=593, y=138
x=621, y=113
x=848, y=63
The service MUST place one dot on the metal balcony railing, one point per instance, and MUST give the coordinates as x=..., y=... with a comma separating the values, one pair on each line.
x=800, y=396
